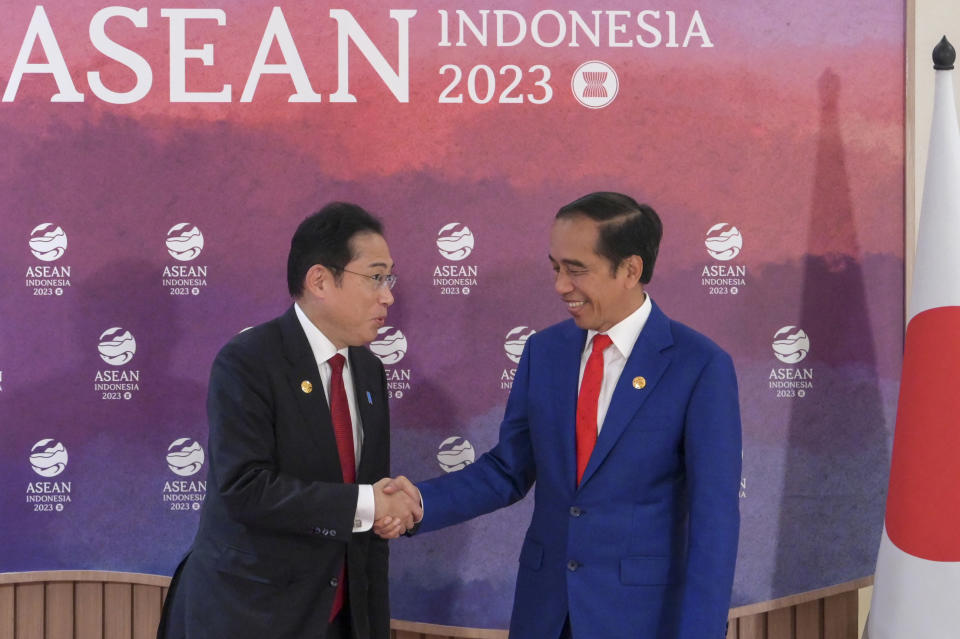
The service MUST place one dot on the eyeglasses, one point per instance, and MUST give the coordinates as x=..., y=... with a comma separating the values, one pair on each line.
x=387, y=281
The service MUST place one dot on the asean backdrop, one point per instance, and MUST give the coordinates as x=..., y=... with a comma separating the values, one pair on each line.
x=157, y=158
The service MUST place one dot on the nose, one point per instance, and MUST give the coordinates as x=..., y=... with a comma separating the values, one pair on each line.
x=562, y=283
x=386, y=296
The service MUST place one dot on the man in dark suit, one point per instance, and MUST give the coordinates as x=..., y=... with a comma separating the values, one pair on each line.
x=299, y=437
x=629, y=424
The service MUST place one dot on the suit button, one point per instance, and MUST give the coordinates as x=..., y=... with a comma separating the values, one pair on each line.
x=572, y=565
x=317, y=531
x=333, y=582
x=575, y=511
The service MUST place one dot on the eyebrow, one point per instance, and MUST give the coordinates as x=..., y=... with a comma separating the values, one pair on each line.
x=577, y=263
x=380, y=265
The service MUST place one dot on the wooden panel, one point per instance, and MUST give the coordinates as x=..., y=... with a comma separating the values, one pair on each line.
x=117, y=611
x=104, y=576
x=147, y=601
x=780, y=623
x=840, y=616
x=864, y=596
x=796, y=600
x=104, y=605
x=809, y=617
x=88, y=610
x=7, y=610
x=753, y=627
x=29, y=611
x=434, y=631
x=58, y=610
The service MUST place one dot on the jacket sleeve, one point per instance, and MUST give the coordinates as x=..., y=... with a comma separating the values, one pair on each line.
x=498, y=478
x=712, y=449
x=242, y=410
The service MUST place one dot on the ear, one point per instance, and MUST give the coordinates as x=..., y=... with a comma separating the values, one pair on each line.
x=318, y=281
x=634, y=269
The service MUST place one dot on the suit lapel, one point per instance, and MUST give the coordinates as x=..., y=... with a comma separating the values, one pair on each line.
x=648, y=361
x=367, y=391
x=303, y=368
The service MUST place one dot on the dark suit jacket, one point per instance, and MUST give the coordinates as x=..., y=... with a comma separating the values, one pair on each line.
x=276, y=524
x=645, y=546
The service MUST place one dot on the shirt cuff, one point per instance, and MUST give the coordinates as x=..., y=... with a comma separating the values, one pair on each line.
x=366, y=507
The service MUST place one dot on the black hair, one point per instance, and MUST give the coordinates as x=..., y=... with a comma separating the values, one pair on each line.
x=626, y=228
x=324, y=238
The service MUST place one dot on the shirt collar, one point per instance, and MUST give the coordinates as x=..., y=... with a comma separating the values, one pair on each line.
x=625, y=332
x=323, y=349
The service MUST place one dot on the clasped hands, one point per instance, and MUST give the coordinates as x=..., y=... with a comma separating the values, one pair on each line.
x=397, y=507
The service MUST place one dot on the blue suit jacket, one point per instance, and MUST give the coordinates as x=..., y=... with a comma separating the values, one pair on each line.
x=646, y=545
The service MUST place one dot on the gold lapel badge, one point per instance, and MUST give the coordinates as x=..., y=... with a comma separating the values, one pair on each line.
x=306, y=387
x=639, y=382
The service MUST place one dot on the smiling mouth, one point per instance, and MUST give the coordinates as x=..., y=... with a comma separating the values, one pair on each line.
x=574, y=305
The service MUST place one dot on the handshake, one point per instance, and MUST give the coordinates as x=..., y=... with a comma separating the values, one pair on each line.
x=397, y=507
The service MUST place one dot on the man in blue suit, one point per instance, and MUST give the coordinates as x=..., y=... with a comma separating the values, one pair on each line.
x=629, y=424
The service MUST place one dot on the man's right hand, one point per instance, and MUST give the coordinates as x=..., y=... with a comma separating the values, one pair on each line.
x=397, y=506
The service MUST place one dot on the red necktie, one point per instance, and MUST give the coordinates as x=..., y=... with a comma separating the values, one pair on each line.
x=587, y=403
x=340, y=414
x=343, y=430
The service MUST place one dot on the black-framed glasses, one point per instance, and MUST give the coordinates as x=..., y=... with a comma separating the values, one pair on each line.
x=387, y=281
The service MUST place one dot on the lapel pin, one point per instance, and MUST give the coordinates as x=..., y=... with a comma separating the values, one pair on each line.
x=369, y=398
x=639, y=382
x=306, y=387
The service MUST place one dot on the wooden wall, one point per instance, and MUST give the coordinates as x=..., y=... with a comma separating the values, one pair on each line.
x=830, y=613
x=80, y=605
x=86, y=604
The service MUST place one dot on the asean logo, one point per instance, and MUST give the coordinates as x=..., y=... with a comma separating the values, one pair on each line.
x=185, y=456
x=117, y=346
x=455, y=241
x=595, y=84
x=455, y=453
x=723, y=242
x=48, y=458
x=790, y=345
x=390, y=345
x=184, y=242
x=48, y=242
x=516, y=338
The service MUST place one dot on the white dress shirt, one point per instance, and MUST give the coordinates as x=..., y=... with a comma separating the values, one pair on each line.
x=624, y=335
x=323, y=349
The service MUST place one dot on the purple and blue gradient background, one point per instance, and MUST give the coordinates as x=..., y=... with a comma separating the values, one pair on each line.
x=790, y=128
